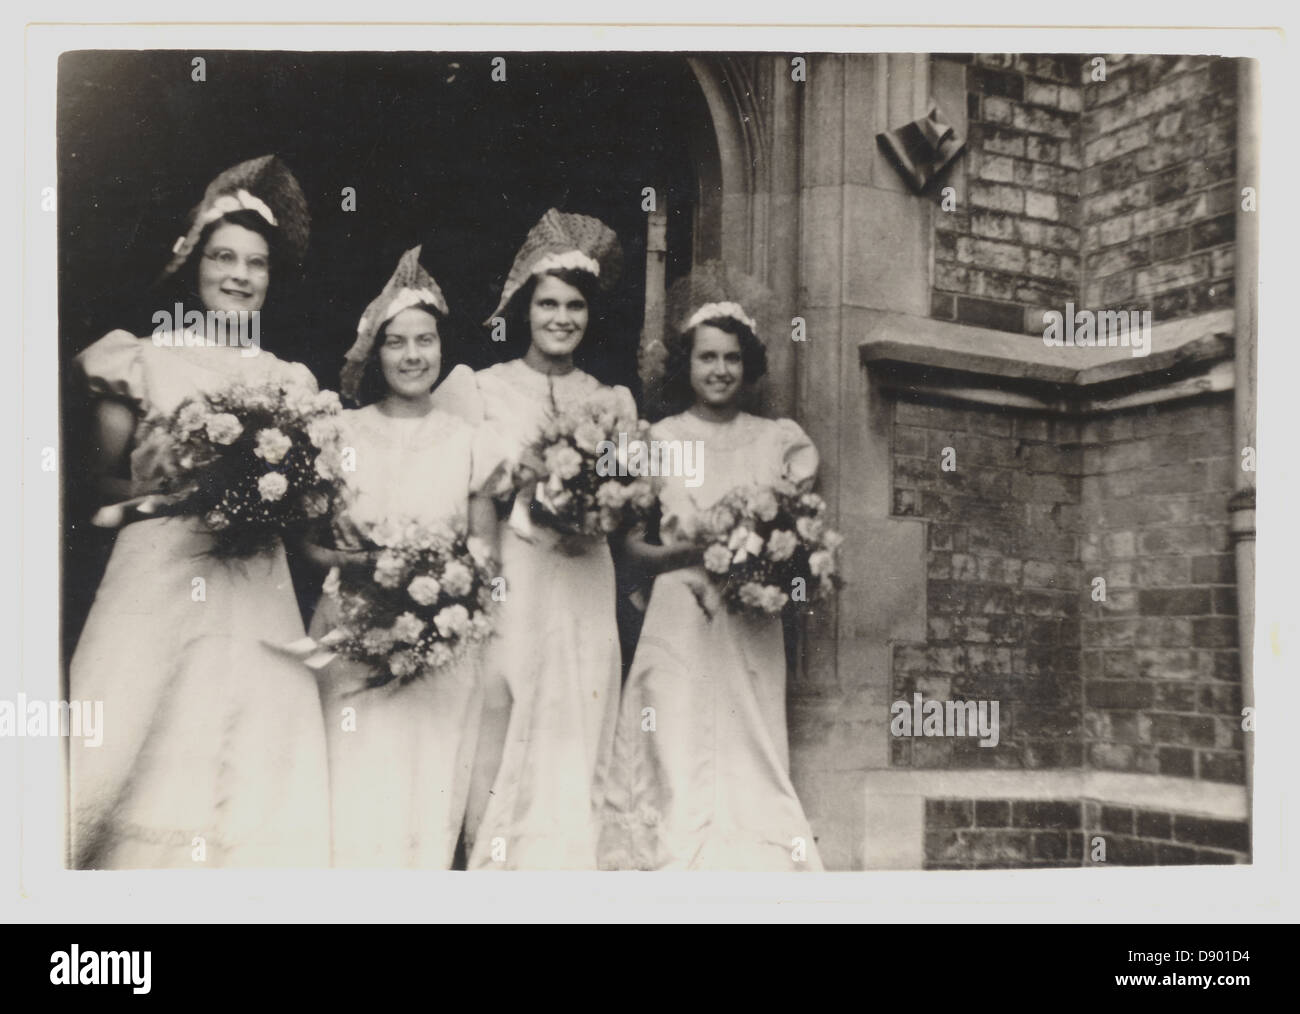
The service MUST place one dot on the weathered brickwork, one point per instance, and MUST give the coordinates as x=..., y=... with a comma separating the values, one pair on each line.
x=1146, y=680
x=1161, y=671
x=1139, y=837
x=1016, y=243
x=1008, y=834
x=1003, y=604
x=986, y=834
x=1158, y=185
x=1114, y=194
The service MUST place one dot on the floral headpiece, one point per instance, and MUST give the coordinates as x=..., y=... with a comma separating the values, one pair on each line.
x=262, y=185
x=410, y=286
x=712, y=311
x=564, y=240
x=712, y=289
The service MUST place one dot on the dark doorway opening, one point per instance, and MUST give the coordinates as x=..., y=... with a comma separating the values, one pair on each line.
x=437, y=152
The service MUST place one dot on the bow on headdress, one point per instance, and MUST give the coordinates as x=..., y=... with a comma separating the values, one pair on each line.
x=564, y=240
x=410, y=286
x=263, y=185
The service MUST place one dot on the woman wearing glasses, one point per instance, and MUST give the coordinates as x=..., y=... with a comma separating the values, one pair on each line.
x=213, y=751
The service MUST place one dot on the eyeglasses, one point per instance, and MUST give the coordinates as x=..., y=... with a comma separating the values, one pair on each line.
x=228, y=259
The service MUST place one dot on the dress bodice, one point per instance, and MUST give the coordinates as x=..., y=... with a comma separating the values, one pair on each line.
x=154, y=379
x=518, y=400
x=422, y=468
x=747, y=451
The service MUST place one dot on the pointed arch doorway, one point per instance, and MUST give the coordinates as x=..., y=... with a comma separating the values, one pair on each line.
x=432, y=151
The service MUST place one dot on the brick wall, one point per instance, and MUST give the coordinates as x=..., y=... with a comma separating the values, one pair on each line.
x=1003, y=577
x=1161, y=672
x=1015, y=245
x=1158, y=181
x=1003, y=833
x=1145, y=681
x=1113, y=194
x=1140, y=837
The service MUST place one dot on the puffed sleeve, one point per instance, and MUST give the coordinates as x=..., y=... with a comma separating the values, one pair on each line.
x=459, y=395
x=490, y=466
x=299, y=375
x=626, y=403
x=113, y=367
x=494, y=394
x=799, y=458
x=501, y=427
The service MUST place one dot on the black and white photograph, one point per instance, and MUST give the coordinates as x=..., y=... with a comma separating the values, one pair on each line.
x=626, y=458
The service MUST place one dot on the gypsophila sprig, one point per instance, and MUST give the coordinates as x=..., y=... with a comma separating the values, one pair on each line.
x=427, y=600
x=561, y=469
x=253, y=462
x=768, y=548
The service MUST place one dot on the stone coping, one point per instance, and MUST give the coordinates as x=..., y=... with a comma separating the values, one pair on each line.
x=1190, y=356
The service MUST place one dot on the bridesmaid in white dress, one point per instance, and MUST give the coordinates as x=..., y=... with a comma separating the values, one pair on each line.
x=213, y=753
x=701, y=781
x=400, y=754
x=553, y=671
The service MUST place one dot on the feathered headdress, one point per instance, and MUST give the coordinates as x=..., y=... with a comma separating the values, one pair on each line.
x=264, y=185
x=564, y=240
x=410, y=286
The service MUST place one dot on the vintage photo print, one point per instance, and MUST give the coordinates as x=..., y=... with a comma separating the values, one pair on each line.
x=535, y=453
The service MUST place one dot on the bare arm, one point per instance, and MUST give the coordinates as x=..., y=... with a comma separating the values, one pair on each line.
x=655, y=560
x=322, y=557
x=483, y=523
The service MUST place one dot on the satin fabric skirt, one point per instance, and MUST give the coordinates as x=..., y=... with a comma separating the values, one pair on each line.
x=701, y=771
x=557, y=652
x=213, y=750
x=400, y=758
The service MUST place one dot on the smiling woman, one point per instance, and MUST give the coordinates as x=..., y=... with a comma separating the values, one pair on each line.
x=235, y=269
x=217, y=755
x=711, y=788
x=410, y=353
x=552, y=677
x=399, y=771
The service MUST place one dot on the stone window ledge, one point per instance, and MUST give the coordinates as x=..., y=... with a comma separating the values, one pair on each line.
x=918, y=355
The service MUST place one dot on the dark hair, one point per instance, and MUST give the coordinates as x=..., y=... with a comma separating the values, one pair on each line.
x=676, y=384
x=372, y=386
x=247, y=219
x=519, y=333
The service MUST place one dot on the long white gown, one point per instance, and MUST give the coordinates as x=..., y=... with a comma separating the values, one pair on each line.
x=558, y=652
x=400, y=755
x=213, y=751
x=701, y=772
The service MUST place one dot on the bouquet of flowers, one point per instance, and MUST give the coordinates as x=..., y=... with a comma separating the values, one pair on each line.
x=766, y=547
x=253, y=461
x=427, y=600
x=577, y=472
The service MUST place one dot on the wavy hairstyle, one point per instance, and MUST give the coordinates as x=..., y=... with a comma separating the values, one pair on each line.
x=676, y=386
x=372, y=386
